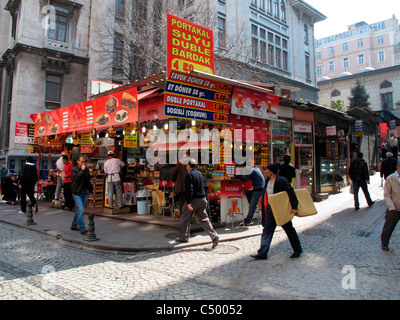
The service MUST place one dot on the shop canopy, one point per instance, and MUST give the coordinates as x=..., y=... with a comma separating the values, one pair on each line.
x=115, y=109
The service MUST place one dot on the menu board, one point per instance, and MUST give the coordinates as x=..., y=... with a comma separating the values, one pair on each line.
x=24, y=133
x=197, y=98
x=252, y=103
x=113, y=110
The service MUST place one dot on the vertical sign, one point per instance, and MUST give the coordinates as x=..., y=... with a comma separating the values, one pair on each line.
x=189, y=46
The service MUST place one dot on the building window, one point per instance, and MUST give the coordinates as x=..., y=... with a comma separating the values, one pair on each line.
x=118, y=53
x=269, y=2
x=61, y=25
x=119, y=8
x=318, y=56
x=307, y=65
x=306, y=36
x=360, y=43
x=254, y=3
x=345, y=46
x=381, y=40
x=283, y=11
x=221, y=32
x=331, y=65
x=346, y=63
x=361, y=59
x=319, y=70
x=254, y=48
x=269, y=48
x=262, y=5
x=387, y=101
x=381, y=56
x=276, y=8
x=331, y=50
x=336, y=93
x=386, y=84
x=53, y=91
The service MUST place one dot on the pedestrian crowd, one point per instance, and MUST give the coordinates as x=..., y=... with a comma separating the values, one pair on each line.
x=192, y=190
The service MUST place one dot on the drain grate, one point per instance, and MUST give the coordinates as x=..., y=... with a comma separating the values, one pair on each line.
x=366, y=234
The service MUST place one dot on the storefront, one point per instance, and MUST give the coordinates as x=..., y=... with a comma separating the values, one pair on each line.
x=331, y=150
x=128, y=120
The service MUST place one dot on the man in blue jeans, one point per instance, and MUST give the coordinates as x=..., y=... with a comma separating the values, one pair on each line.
x=80, y=188
x=253, y=195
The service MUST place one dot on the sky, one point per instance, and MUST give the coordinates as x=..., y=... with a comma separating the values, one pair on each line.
x=341, y=13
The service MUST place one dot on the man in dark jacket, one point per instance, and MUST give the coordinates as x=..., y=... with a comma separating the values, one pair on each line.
x=286, y=169
x=80, y=188
x=359, y=174
x=389, y=166
x=27, y=182
x=275, y=184
x=196, y=202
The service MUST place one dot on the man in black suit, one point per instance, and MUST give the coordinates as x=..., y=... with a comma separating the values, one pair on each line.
x=275, y=184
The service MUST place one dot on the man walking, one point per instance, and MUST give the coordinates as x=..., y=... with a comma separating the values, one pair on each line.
x=253, y=195
x=113, y=168
x=275, y=184
x=28, y=180
x=389, y=165
x=196, y=191
x=359, y=174
x=80, y=187
x=392, y=200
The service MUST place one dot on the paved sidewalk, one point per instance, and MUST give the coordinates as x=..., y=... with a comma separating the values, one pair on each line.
x=119, y=235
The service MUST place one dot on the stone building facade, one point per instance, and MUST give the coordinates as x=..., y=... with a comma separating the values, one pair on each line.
x=383, y=86
x=48, y=53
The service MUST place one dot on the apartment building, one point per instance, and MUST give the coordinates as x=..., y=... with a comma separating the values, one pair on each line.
x=363, y=47
x=50, y=50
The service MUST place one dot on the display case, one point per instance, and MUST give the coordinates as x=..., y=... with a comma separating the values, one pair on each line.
x=304, y=166
x=326, y=175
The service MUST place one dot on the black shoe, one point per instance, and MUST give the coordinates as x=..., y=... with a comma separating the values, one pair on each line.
x=295, y=255
x=215, y=242
x=357, y=208
x=75, y=228
x=84, y=231
x=180, y=240
x=385, y=247
x=258, y=257
x=372, y=203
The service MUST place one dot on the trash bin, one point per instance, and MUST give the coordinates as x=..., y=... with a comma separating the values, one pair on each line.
x=141, y=197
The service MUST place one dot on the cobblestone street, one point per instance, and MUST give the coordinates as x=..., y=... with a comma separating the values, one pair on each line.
x=342, y=259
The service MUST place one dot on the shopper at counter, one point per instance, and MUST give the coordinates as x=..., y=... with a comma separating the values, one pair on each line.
x=80, y=187
x=286, y=169
x=196, y=191
x=253, y=195
x=60, y=169
x=69, y=199
x=113, y=168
